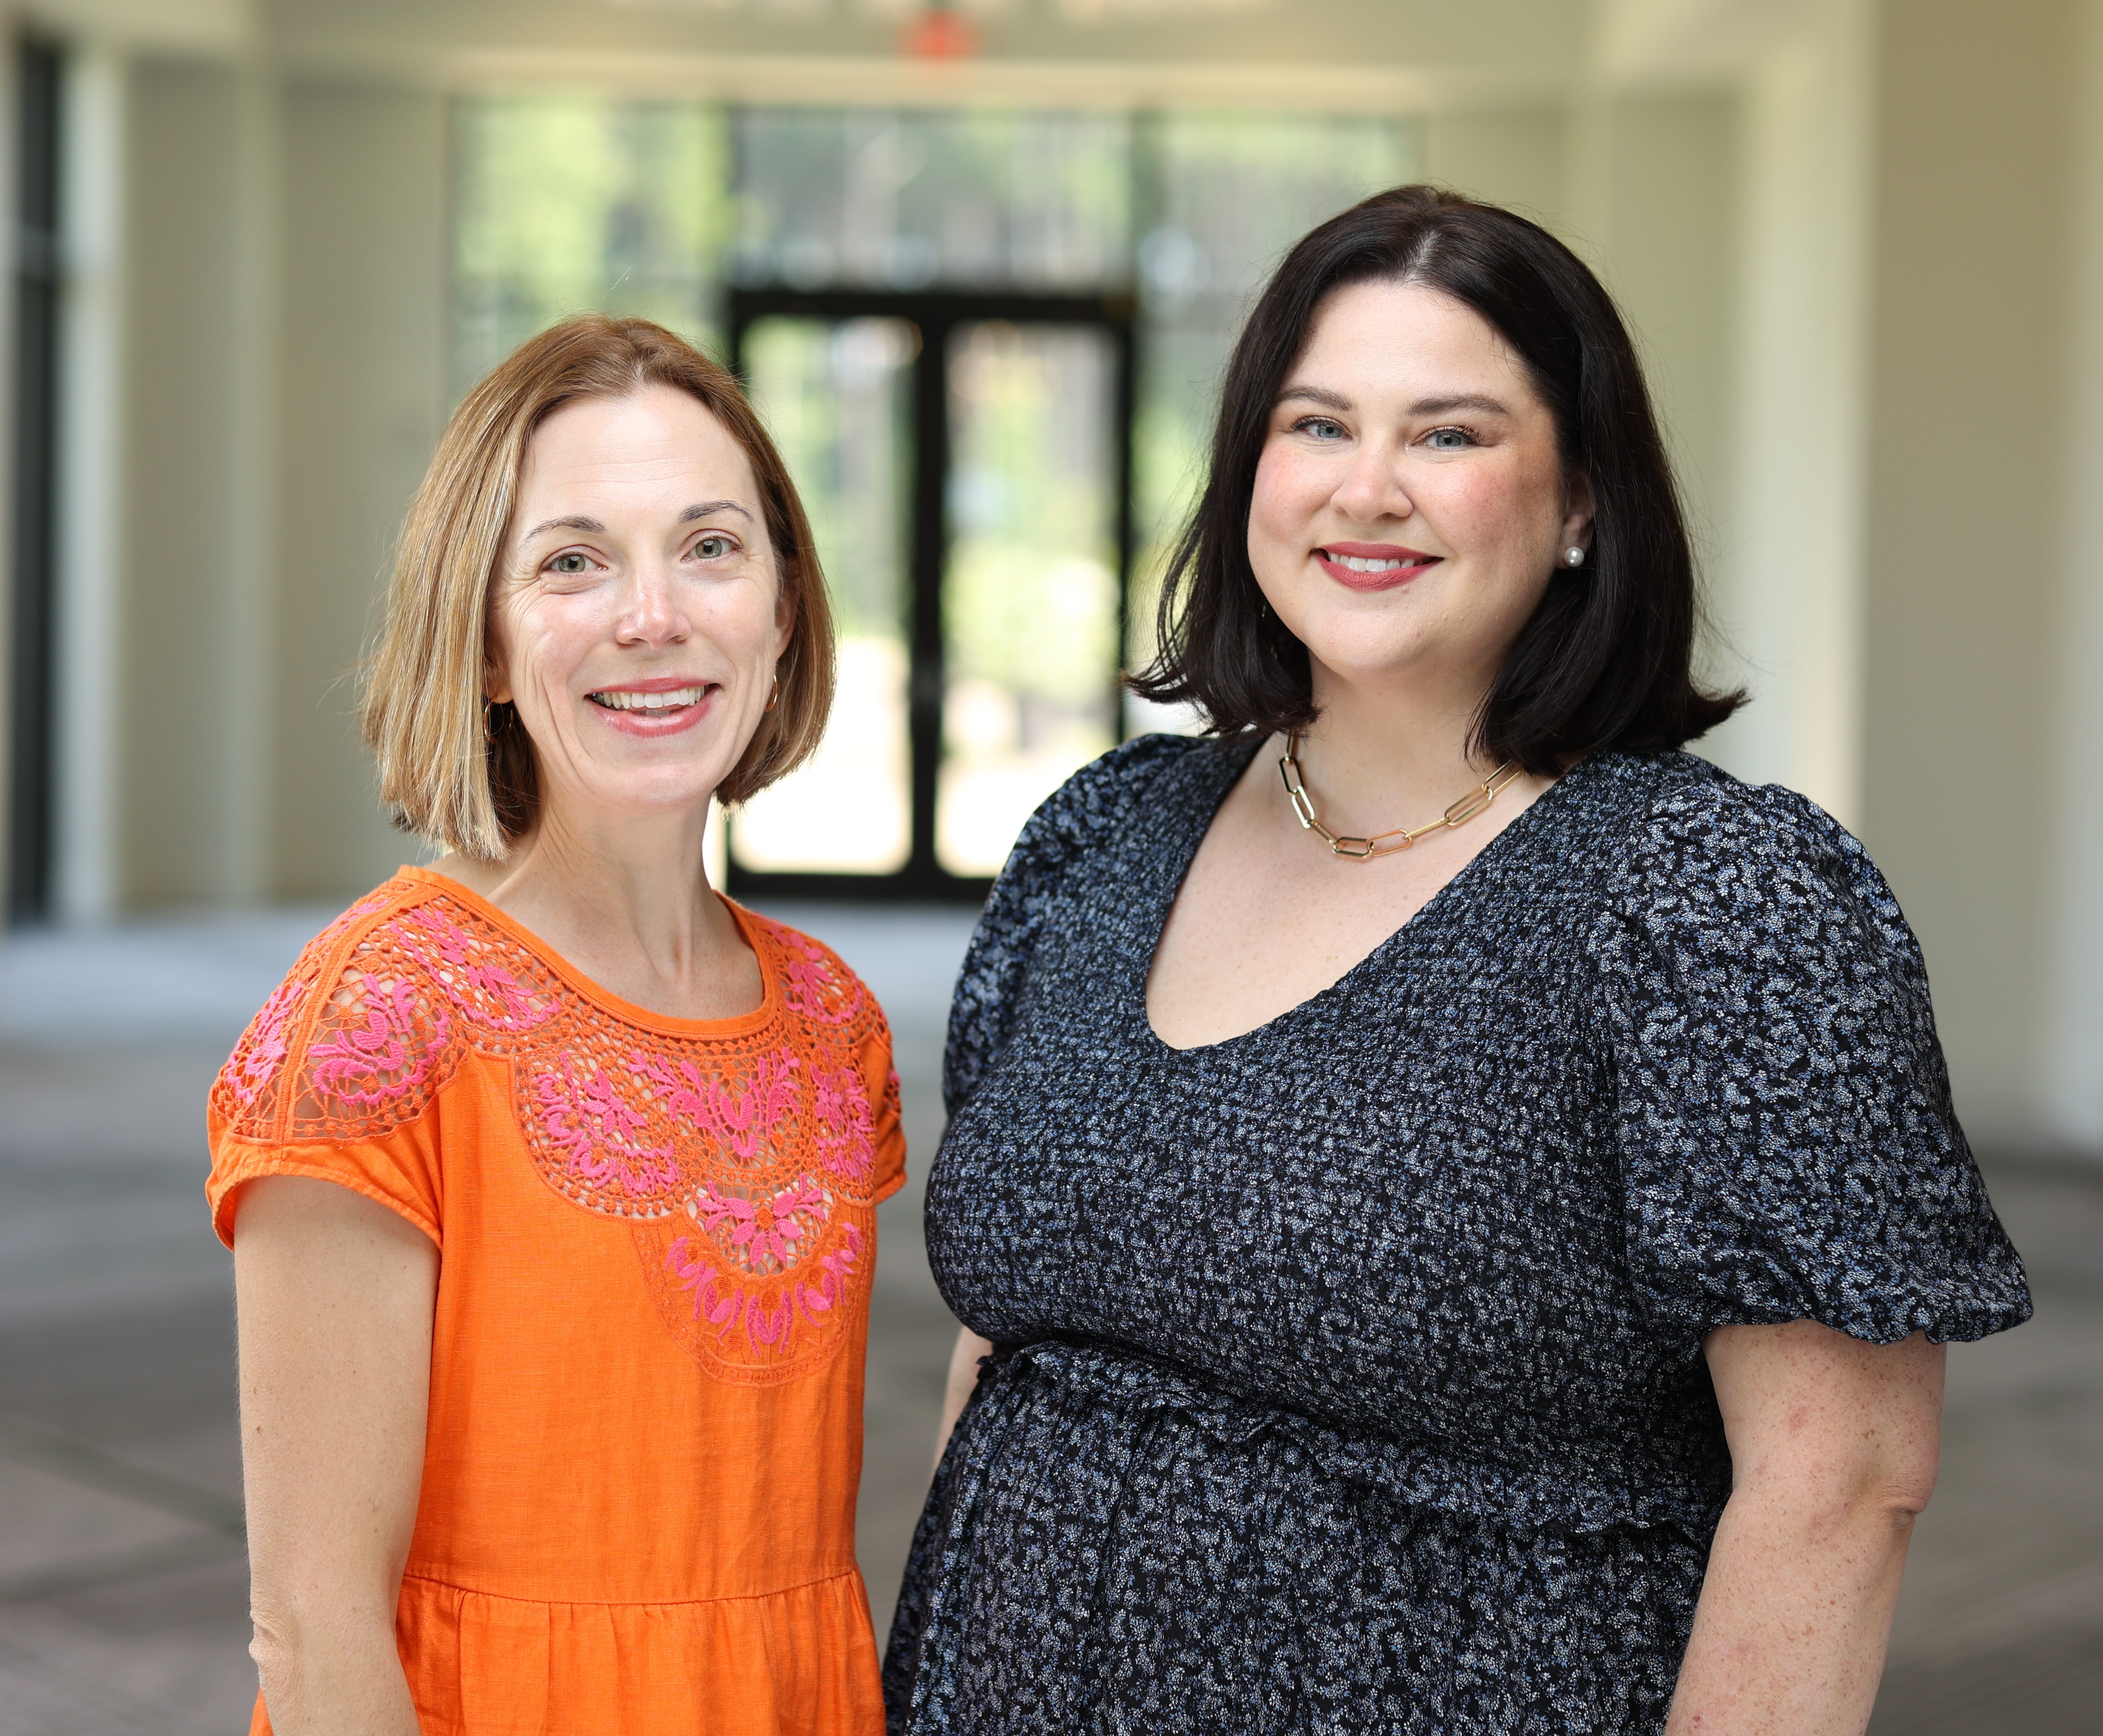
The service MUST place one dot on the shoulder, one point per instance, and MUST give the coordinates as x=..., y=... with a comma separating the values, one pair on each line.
x=1725, y=866
x=815, y=984
x=1147, y=777
x=367, y=1025
x=1150, y=782
x=1691, y=824
x=1107, y=817
x=246, y=1090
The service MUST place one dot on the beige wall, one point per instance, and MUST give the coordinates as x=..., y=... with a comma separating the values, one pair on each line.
x=178, y=594
x=1657, y=217
x=1964, y=607
x=1514, y=157
x=362, y=386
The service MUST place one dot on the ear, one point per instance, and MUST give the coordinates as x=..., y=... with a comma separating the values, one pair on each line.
x=784, y=600
x=1577, y=510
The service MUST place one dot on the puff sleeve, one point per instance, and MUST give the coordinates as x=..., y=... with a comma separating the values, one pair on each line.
x=1788, y=1145
x=1069, y=824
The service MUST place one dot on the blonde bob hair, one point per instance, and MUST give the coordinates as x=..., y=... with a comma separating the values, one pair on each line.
x=460, y=772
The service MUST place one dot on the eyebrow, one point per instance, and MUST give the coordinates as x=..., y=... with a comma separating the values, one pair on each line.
x=594, y=527
x=1424, y=406
x=590, y=526
x=1440, y=406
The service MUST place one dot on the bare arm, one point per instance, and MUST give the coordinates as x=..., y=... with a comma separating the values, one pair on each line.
x=963, y=1376
x=335, y=1296
x=1833, y=1450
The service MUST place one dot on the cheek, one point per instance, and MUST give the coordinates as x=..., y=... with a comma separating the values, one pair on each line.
x=544, y=640
x=1290, y=487
x=742, y=618
x=1505, y=516
x=1485, y=504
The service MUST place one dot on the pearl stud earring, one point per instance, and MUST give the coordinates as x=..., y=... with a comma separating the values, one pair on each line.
x=1573, y=555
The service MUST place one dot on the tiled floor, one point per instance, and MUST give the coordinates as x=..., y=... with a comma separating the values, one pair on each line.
x=122, y=1587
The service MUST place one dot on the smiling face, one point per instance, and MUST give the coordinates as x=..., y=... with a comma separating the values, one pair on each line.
x=635, y=618
x=1410, y=505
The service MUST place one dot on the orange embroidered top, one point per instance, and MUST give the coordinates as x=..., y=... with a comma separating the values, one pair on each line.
x=656, y=1237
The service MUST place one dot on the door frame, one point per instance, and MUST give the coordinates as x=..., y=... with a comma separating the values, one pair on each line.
x=936, y=314
x=32, y=555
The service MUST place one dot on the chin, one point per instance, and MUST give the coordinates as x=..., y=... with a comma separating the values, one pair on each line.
x=652, y=798
x=1373, y=658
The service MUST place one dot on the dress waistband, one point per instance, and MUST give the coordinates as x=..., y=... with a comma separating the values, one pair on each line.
x=1423, y=1473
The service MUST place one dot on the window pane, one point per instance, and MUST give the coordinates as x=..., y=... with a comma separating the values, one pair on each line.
x=837, y=397
x=1029, y=596
x=567, y=203
x=900, y=200
x=1231, y=194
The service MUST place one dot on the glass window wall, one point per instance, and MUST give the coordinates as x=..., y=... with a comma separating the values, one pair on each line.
x=1169, y=222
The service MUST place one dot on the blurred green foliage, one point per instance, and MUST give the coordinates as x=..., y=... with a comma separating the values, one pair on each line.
x=565, y=203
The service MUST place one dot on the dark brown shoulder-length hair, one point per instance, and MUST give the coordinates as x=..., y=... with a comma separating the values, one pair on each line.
x=1607, y=659
x=459, y=771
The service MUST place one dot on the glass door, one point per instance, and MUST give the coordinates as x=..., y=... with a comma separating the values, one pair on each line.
x=837, y=396
x=966, y=461
x=1029, y=586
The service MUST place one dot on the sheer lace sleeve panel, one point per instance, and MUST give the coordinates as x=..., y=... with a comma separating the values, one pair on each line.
x=352, y=1049
x=1083, y=811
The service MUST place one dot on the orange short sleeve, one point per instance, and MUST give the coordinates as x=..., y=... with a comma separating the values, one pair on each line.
x=337, y=1078
x=883, y=1077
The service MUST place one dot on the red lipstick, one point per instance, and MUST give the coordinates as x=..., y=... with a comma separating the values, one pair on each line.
x=1376, y=567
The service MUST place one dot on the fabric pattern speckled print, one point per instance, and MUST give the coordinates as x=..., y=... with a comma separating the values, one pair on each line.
x=1348, y=1373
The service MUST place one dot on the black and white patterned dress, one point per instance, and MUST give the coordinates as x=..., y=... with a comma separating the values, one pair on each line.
x=1349, y=1372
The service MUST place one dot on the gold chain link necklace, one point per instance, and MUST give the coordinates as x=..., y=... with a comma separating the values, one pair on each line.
x=1364, y=850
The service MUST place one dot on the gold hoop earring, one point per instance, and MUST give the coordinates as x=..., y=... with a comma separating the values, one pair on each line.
x=489, y=710
x=774, y=698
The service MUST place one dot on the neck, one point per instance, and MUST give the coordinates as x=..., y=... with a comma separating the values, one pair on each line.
x=625, y=897
x=1378, y=757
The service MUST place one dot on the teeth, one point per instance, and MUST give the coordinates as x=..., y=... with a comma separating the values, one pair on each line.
x=1365, y=564
x=671, y=700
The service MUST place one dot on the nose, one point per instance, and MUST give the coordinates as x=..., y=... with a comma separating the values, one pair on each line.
x=650, y=613
x=1372, y=489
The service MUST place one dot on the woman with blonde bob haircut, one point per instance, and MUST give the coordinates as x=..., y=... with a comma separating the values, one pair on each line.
x=551, y=1174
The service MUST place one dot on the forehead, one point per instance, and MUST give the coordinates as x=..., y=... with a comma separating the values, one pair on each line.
x=1412, y=338
x=657, y=439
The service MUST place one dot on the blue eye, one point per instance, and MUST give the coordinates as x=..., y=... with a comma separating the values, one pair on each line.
x=1321, y=428
x=1449, y=440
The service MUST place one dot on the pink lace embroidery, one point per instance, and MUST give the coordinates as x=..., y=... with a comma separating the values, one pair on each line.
x=255, y=1062
x=847, y=1132
x=482, y=979
x=743, y=1111
x=813, y=984
x=764, y=1230
x=766, y=1316
x=390, y=1051
x=604, y=1139
x=365, y=906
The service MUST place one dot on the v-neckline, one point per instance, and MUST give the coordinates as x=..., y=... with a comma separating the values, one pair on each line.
x=1158, y=923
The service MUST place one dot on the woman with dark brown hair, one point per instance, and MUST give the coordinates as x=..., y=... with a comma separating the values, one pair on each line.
x=1454, y=1201
x=550, y=1174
